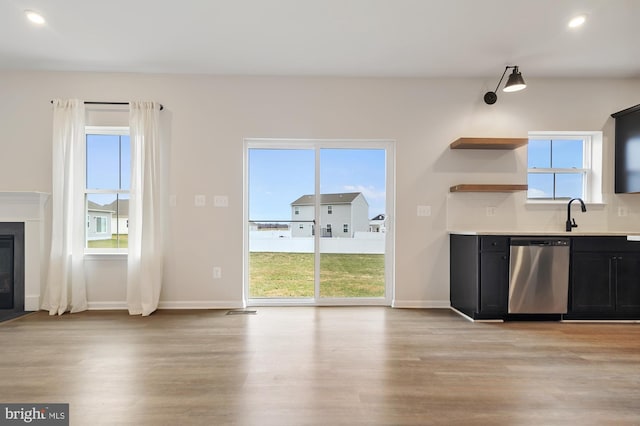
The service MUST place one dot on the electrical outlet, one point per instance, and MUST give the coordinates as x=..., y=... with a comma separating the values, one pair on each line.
x=491, y=211
x=200, y=200
x=217, y=272
x=424, y=211
x=622, y=211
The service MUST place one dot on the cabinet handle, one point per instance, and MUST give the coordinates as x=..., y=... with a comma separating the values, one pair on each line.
x=504, y=257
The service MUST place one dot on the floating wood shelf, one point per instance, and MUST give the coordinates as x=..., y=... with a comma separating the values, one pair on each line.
x=487, y=188
x=488, y=143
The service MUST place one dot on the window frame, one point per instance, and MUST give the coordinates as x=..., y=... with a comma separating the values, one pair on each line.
x=102, y=130
x=591, y=165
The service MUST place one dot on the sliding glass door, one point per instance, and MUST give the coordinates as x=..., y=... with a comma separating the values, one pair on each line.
x=318, y=222
x=281, y=248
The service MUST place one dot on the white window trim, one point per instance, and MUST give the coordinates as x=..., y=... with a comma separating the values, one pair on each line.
x=593, y=161
x=103, y=130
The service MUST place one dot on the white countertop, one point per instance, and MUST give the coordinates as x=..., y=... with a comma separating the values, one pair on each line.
x=631, y=236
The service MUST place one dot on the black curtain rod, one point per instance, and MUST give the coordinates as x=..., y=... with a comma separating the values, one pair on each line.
x=111, y=103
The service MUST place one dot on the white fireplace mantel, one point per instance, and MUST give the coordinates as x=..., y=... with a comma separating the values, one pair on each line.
x=28, y=207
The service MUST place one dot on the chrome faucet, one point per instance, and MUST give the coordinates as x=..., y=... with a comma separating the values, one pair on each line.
x=571, y=223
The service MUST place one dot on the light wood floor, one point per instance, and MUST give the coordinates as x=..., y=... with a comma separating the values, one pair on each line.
x=321, y=366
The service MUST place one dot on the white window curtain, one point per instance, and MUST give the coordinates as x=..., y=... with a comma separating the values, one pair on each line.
x=65, y=288
x=145, y=261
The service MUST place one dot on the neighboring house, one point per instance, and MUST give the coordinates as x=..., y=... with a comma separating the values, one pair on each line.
x=99, y=222
x=104, y=221
x=120, y=220
x=341, y=215
x=378, y=224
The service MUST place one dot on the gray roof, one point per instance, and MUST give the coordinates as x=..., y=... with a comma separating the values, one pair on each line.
x=95, y=207
x=342, y=198
x=121, y=207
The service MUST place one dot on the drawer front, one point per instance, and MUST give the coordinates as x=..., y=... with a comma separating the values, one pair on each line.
x=494, y=243
x=605, y=244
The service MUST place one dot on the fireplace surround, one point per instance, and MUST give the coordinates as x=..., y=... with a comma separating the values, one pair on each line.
x=22, y=223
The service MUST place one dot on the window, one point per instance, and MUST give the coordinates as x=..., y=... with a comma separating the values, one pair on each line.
x=296, y=210
x=107, y=184
x=345, y=228
x=564, y=165
x=101, y=225
x=329, y=209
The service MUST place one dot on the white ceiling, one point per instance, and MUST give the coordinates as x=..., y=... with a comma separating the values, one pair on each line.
x=409, y=38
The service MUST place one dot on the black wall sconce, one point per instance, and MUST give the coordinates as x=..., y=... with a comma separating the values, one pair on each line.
x=514, y=83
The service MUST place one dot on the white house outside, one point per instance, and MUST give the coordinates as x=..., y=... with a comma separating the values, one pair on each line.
x=341, y=215
x=105, y=221
x=120, y=219
x=378, y=223
x=99, y=222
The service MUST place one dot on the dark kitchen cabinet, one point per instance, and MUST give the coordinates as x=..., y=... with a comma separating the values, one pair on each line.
x=628, y=284
x=479, y=273
x=627, y=161
x=592, y=284
x=605, y=279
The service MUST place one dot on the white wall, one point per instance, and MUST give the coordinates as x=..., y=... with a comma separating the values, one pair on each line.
x=208, y=117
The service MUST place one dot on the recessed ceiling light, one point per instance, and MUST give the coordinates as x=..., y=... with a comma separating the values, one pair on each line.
x=34, y=17
x=577, y=21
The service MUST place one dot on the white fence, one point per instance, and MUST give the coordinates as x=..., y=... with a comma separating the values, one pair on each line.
x=281, y=242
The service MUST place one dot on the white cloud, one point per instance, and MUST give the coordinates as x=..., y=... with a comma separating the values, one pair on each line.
x=537, y=193
x=369, y=192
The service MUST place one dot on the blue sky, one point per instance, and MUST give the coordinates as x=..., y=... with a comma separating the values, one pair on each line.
x=556, y=153
x=277, y=177
x=105, y=158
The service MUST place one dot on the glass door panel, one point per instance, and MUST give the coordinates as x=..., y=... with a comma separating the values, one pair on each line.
x=352, y=222
x=281, y=211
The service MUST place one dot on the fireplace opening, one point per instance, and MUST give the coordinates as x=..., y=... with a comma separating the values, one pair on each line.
x=12, y=269
x=6, y=272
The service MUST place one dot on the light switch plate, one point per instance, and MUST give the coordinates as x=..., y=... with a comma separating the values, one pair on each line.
x=221, y=201
x=424, y=211
x=200, y=200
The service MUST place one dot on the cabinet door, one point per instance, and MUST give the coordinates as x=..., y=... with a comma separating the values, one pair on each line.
x=592, y=284
x=494, y=282
x=628, y=283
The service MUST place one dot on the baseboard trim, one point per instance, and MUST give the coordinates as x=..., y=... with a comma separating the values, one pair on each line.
x=468, y=318
x=31, y=303
x=104, y=306
x=421, y=304
x=225, y=304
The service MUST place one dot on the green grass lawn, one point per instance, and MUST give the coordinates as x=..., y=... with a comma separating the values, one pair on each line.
x=291, y=275
x=116, y=241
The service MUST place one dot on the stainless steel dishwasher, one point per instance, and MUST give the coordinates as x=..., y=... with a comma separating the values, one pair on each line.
x=538, y=275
